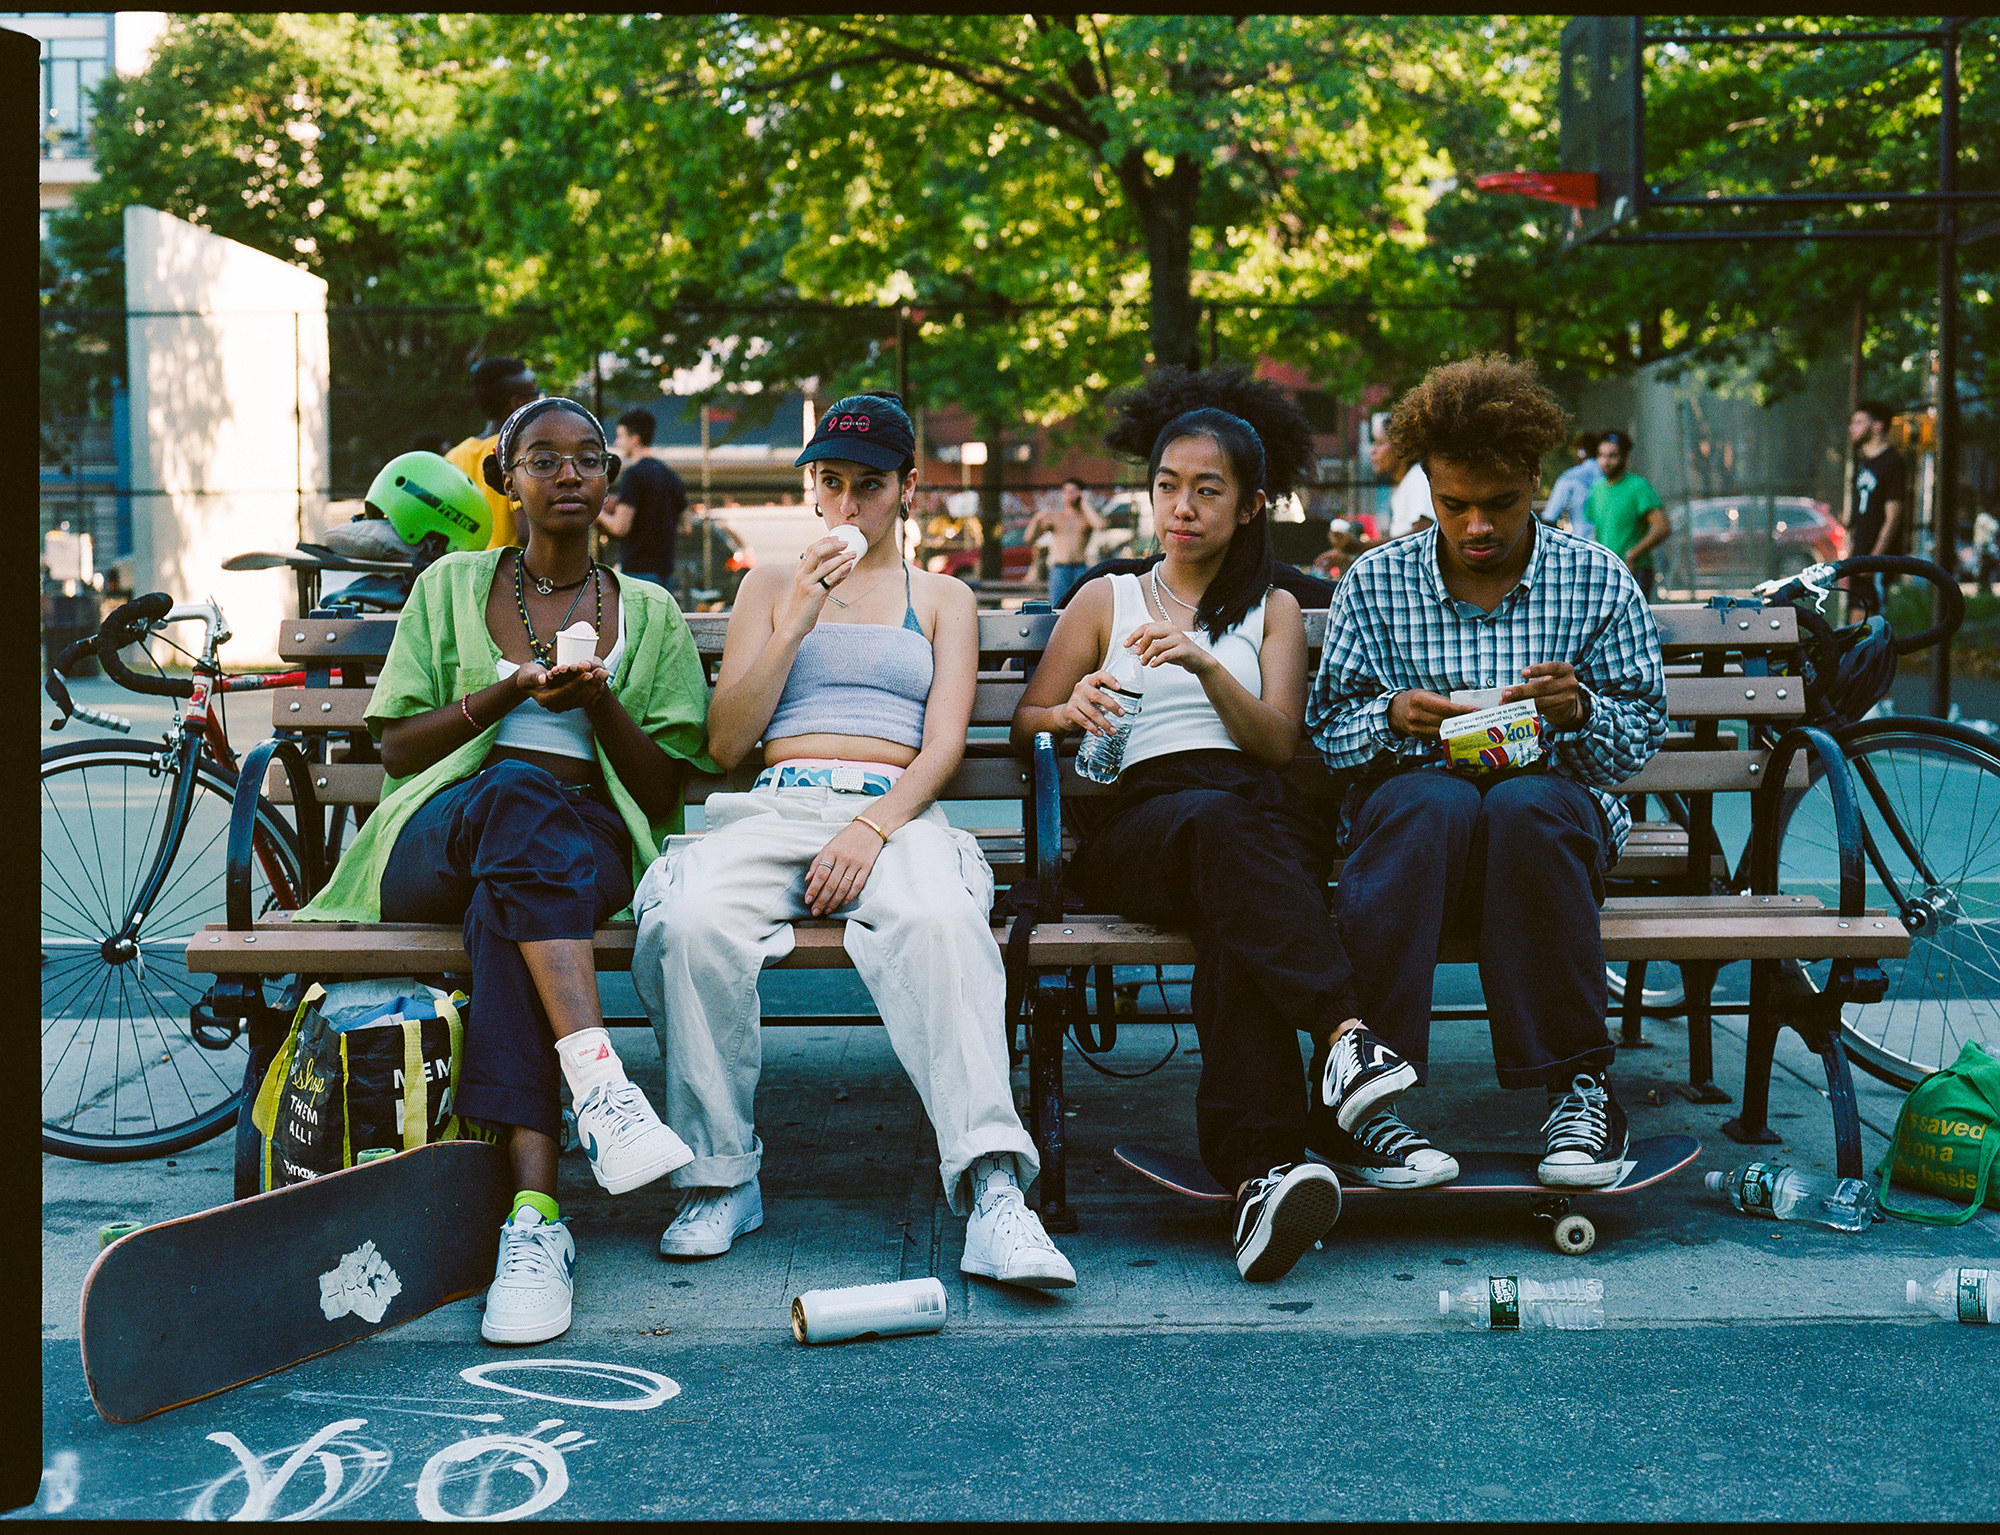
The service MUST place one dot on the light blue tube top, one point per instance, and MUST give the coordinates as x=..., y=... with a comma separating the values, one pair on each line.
x=859, y=680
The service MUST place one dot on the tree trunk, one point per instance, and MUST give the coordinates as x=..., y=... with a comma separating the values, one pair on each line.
x=991, y=478
x=1166, y=210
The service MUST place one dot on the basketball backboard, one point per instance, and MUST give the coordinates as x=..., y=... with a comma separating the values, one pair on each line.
x=1600, y=105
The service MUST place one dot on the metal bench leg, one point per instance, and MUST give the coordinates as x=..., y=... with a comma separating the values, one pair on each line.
x=1751, y=1127
x=1815, y=1017
x=1629, y=1037
x=1698, y=978
x=1049, y=1002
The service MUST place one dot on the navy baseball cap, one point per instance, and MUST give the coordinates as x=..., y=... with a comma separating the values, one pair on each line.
x=871, y=429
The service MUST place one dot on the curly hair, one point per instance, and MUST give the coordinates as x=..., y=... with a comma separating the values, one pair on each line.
x=1141, y=413
x=1262, y=433
x=1487, y=412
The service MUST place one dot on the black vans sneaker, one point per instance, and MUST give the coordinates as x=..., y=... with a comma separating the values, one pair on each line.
x=1588, y=1138
x=1384, y=1151
x=1362, y=1075
x=1280, y=1215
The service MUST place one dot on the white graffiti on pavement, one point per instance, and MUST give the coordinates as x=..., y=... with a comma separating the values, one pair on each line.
x=330, y=1449
x=539, y=1462
x=652, y=1389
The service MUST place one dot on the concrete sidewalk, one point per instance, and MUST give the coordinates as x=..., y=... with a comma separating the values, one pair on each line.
x=1791, y=1331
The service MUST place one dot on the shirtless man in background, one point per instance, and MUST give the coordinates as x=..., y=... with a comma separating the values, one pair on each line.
x=1070, y=526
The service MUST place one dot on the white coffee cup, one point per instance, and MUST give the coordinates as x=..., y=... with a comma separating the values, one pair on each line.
x=853, y=537
x=576, y=643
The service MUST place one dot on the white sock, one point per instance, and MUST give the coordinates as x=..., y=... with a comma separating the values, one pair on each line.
x=588, y=1059
x=990, y=1174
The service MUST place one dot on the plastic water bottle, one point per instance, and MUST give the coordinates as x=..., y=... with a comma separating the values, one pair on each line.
x=1962, y=1295
x=1504, y=1301
x=1782, y=1193
x=1102, y=756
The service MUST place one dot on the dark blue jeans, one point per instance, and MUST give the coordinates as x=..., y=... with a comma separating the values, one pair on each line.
x=517, y=858
x=1521, y=864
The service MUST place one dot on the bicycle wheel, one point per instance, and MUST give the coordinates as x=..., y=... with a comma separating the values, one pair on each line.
x=1929, y=795
x=123, y=1077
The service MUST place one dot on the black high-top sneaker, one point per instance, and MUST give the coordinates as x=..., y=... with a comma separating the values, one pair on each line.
x=1362, y=1075
x=1588, y=1138
x=1281, y=1214
x=1383, y=1151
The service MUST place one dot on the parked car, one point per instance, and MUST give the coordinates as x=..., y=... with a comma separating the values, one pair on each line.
x=1017, y=557
x=1732, y=547
x=710, y=561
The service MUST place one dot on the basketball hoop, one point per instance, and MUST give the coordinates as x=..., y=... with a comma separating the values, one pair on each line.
x=1574, y=189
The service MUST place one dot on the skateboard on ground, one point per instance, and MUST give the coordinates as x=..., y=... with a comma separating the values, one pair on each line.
x=1479, y=1172
x=179, y=1311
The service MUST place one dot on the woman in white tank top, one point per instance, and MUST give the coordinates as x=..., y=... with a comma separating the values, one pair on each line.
x=1203, y=831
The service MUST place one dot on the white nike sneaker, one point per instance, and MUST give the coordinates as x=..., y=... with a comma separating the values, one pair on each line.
x=1004, y=1240
x=627, y=1144
x=712, y=1219
x=533, y=1283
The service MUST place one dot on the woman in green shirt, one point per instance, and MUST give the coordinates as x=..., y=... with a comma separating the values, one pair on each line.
x=522, y=799
x=1626, y=511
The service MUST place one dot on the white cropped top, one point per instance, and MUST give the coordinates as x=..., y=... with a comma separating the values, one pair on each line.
x=1175, y=714
x=560, y=733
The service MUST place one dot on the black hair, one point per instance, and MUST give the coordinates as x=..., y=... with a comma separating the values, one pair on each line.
x=1263, y=434
x=640, y=422
x=1587, y=442
x=1622, y=439
x=1883, y=414
x=1076, y=480
x=495, y=381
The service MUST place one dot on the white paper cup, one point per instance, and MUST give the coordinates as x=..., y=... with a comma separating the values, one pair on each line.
x=576, y=643
x=853, y=537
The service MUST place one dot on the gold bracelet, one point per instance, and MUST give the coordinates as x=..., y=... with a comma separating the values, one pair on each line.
x=874, y=828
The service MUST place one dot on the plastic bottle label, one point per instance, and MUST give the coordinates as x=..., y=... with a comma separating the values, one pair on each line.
x=1972, y=1295
x=1758, y=1181
x=1503, y=1302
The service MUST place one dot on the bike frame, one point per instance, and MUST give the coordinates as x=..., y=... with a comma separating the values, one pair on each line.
x=197, y=732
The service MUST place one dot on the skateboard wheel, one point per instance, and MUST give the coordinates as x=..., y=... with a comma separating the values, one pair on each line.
x=1575, y=1235
x=106, y=1235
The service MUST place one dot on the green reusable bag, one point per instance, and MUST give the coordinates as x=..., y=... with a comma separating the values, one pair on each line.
x=1947, y=1138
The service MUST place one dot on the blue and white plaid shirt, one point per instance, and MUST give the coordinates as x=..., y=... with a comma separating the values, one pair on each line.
x=1392, y=625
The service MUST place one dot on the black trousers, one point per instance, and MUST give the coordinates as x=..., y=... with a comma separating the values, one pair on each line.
x=517, y=858
x=1221, y=845
x=1521, y=864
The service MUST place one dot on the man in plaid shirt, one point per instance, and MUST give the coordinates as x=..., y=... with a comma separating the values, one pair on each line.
x=1488, y=599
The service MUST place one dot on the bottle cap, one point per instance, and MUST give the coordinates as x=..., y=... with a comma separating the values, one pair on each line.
x=1444, y=1303
x=1910, y=1291
x=1712, y=1180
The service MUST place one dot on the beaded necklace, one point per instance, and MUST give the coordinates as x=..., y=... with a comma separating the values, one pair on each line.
x=546, y=654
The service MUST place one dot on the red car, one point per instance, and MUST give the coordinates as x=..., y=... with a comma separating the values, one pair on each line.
x=1017, y=558
x=1734, y=548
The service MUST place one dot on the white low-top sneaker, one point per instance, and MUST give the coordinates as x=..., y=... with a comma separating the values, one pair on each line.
x=627, y=1144
x=533, y=1283
x=712, y=1219
x=1004, y=1240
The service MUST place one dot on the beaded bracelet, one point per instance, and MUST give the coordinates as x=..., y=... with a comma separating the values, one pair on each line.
x=462, y=709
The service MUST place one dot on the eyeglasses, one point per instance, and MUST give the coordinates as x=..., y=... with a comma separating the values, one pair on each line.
x=545, y=463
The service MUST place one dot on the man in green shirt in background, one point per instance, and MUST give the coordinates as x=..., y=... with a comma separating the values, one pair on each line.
x=1626, y=511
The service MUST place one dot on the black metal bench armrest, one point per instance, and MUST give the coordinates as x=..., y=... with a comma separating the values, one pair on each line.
x=243, y=824
x=1846, y=816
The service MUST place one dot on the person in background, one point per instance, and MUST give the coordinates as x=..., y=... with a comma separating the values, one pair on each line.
x=500, y=386
x=1625, y=511
x=1881, y=491
x=645, y=506
x=1410, y=501
x=431, y=442
x=1343, y=548
x=1986, y=547
x=1569, y=497
x=1069, y=527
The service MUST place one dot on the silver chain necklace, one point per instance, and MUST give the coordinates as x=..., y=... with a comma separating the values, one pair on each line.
x=1162, y=590
x=865, y=595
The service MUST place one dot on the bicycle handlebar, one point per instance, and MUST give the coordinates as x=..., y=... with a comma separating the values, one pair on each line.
x=1951, y=607
x=127, y=624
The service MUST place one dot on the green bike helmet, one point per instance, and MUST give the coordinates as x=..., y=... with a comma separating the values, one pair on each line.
x=422, y=494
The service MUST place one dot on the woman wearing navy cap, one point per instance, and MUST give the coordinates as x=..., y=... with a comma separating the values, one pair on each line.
x=857, y=673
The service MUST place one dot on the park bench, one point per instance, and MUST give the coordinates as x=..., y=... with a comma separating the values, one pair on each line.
x=1719, y=661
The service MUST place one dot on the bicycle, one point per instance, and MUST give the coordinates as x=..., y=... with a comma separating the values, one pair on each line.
x=1930, y=802
x=137, y=1061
